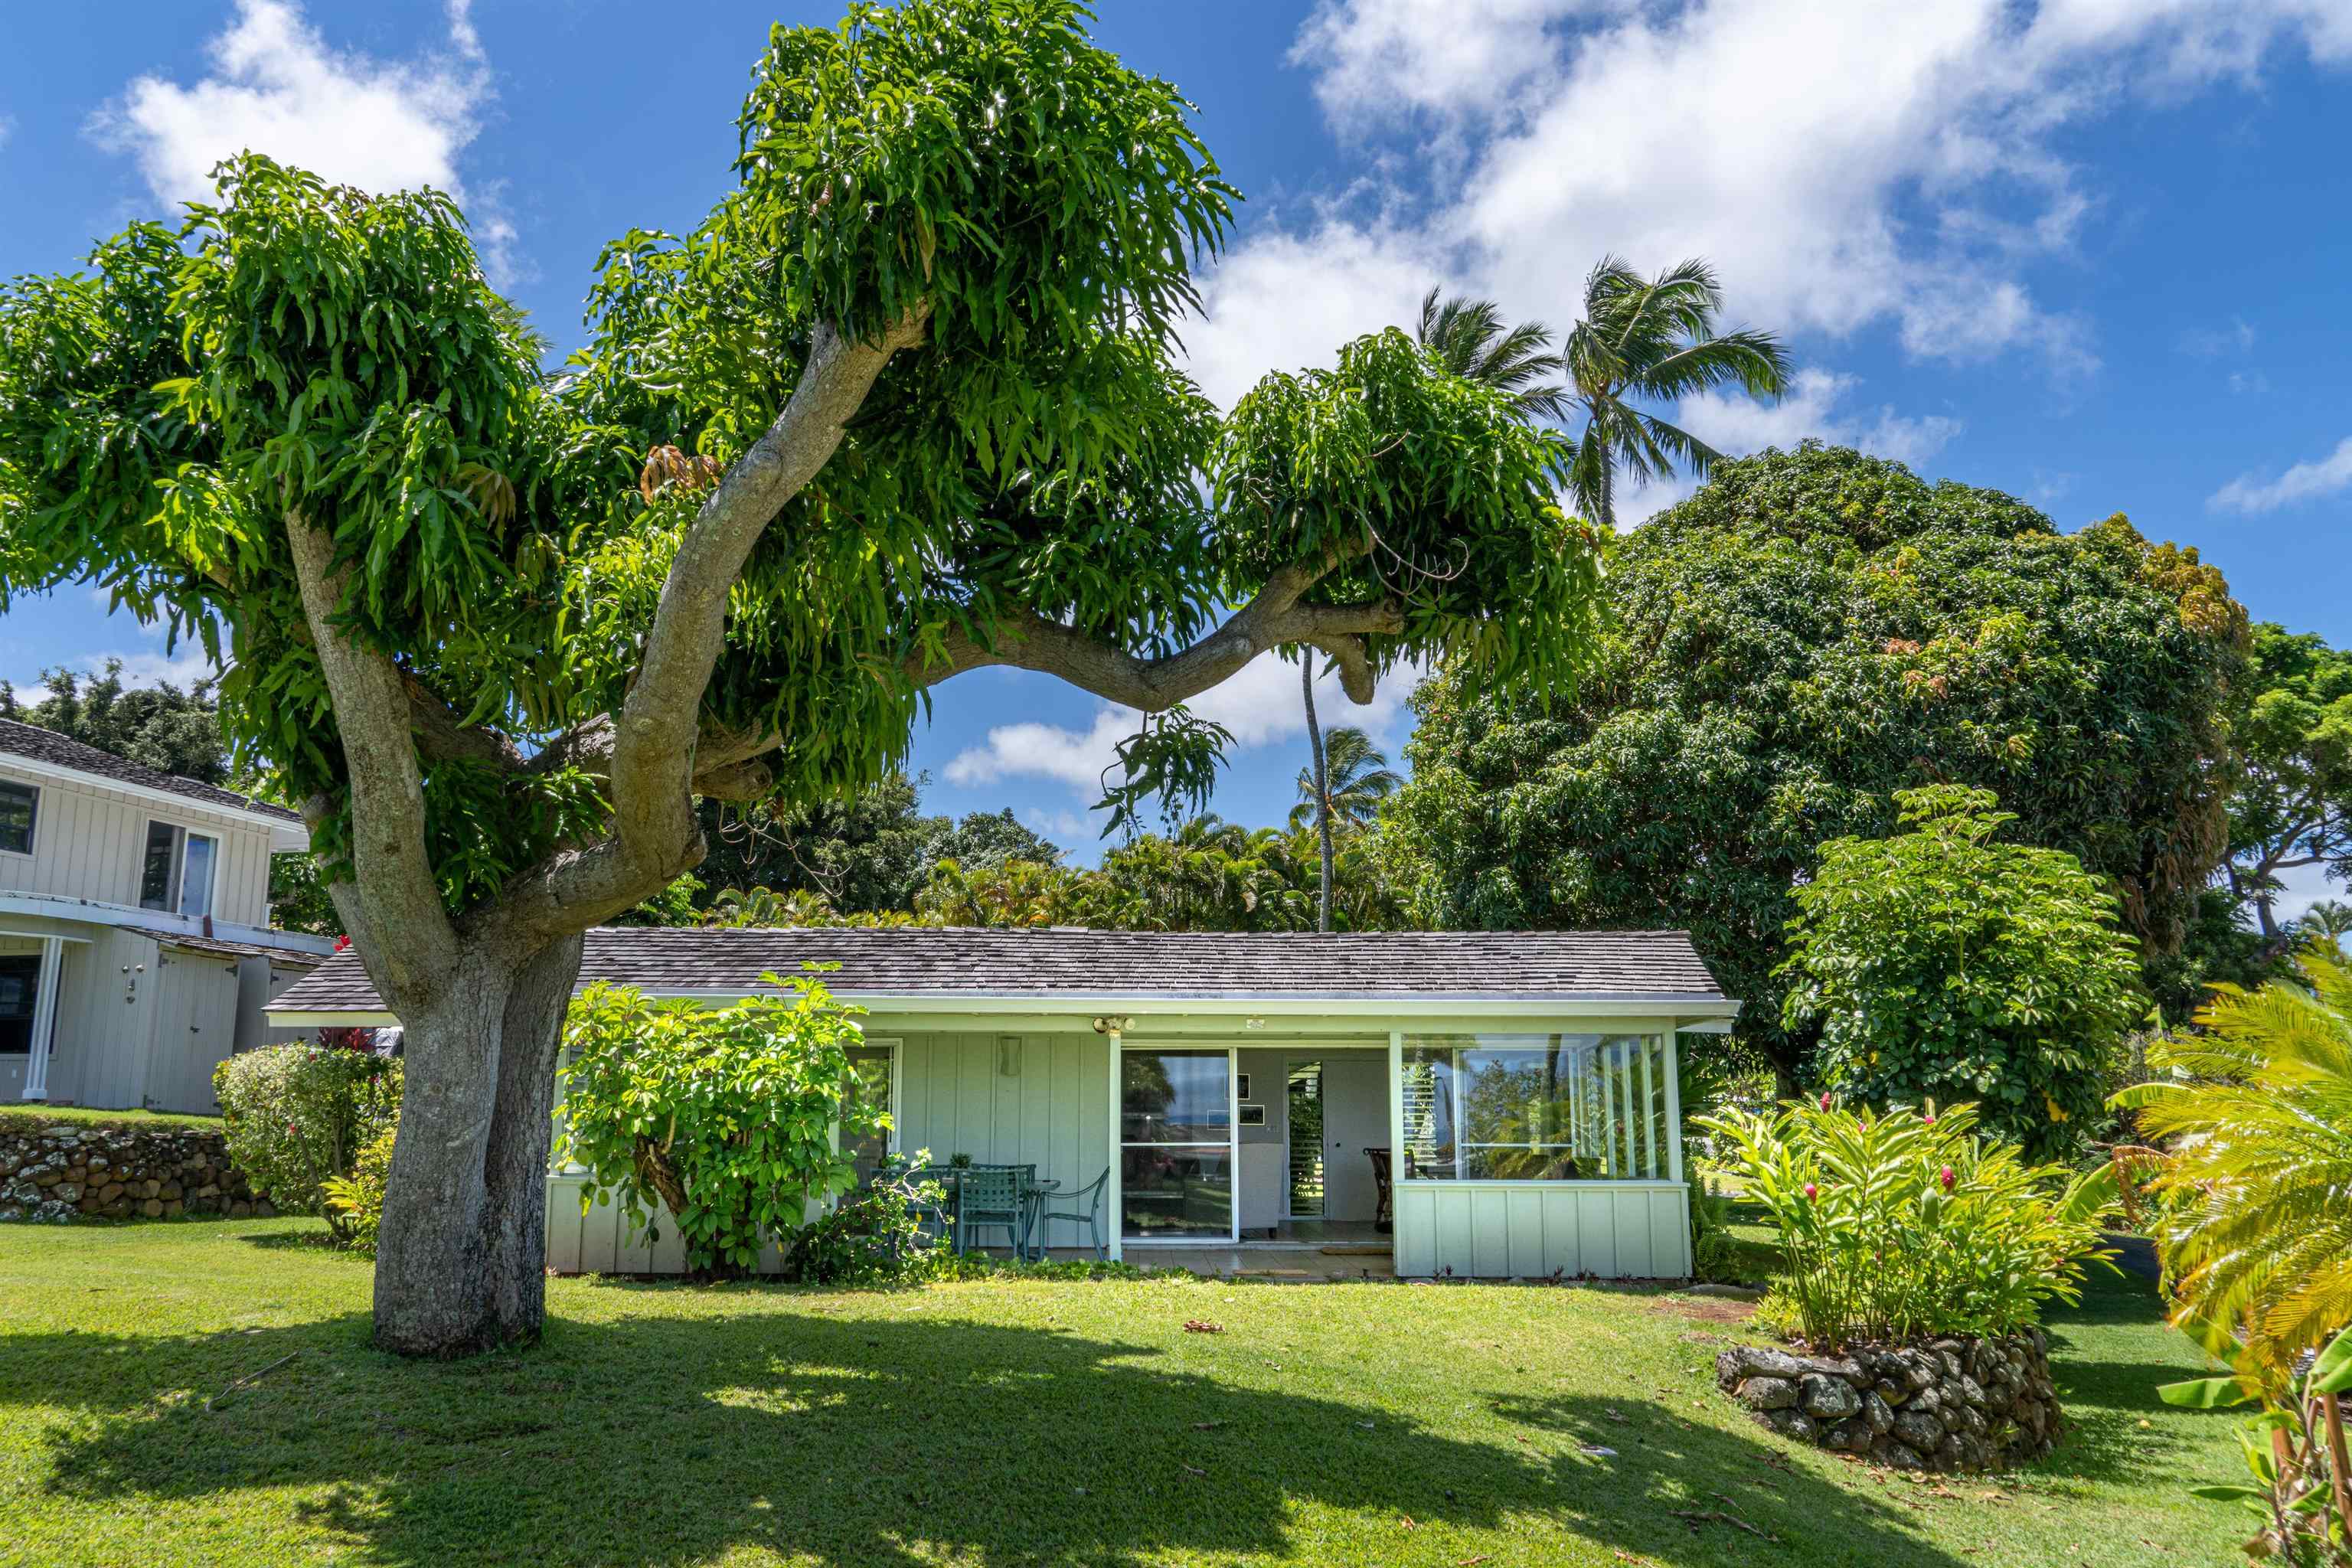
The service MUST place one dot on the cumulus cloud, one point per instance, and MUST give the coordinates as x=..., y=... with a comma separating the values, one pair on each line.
x=1817, y=406
x=275, y=86
x=1845, y=163
x=2326, y=476
x=1259, y=704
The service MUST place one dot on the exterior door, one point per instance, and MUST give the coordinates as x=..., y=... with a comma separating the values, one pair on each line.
x=1355, y=1117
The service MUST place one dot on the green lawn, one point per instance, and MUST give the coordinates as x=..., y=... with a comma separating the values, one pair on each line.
x=999, y=1422
x=18, y=1118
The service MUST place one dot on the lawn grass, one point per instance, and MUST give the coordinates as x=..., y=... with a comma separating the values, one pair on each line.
x=997, y=1422
x=19, y=1118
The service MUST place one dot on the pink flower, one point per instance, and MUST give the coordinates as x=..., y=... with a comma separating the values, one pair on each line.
x=1945, y=1176
x=1811, y=1191
x=1826, y=1100
x=343, y=944
x=1931, y=1118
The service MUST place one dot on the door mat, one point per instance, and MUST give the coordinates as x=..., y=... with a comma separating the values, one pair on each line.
x=1357, y=1251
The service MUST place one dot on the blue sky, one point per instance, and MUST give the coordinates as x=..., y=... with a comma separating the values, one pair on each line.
x=2089, y=251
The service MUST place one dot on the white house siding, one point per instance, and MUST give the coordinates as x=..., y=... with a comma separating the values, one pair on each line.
x=89, y=842
x=196, y=1027
x=259, y=981
x=1504, y=1230
x=1051, y=1110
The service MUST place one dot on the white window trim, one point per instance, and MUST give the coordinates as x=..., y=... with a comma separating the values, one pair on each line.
x=176, y=884
x=33, y=830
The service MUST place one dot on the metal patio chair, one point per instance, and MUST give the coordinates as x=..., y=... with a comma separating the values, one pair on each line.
x=990, y=1197
x=1084, y=1206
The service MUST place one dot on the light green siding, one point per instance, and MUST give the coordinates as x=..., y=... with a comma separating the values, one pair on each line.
x=1041, y=1100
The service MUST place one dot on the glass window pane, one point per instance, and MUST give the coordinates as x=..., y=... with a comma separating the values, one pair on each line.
x=869, y=1085
x=1535, y=1108
x=196, y=875
x=1175, y=1097
x=155, y=872
x=16, y=805
x=1173, y=1191
x=19, y=980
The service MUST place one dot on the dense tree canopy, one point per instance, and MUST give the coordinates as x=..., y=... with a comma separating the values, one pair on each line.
x=1811, y=632
x=160, y=726
x=2293, y=804
x=903, y=406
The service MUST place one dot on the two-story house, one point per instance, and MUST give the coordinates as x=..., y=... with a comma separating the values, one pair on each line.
x=135, y=945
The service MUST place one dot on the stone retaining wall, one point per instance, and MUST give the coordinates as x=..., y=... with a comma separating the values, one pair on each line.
x=60, y=1170
x=1950, y=1404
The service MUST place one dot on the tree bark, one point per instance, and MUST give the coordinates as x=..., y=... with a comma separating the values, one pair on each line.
x=1322, y=785
x=461, y=1256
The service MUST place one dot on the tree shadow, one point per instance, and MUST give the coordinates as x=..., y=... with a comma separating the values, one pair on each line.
x=857, y=1440
x=1666, y=1470
x=2107, y=1397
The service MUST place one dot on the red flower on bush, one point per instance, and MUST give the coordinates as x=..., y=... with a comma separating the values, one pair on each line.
x=1811, y=1191
x=1945, y=1176
x=343, y=944
x=1826, y=1100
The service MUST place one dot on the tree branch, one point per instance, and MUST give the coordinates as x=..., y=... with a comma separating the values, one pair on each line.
x=395, y=904
x=1275, y=618
x=653, y=762
x=441, y=738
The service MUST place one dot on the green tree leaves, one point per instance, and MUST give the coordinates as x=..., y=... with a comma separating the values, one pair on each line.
x=1940, y=965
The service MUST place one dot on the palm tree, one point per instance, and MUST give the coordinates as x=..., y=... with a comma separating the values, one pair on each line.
x=1469, y=337
x=2258, y=1109
x=2330, y=918
x=1356, y=779
x=1653, y=338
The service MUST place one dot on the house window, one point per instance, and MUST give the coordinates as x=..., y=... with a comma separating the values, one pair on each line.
x=18, y=804
x=870, y=1085
x=20, y=979
x=1176, y=1144
x=1535, y=1107
x=176, y=875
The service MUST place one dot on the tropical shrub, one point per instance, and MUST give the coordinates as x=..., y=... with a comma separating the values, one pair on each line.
x=874, y=1235
x=298, y=1115
x=726, y=1115
x=357, y=1200
x=2255, y=1177
x=2295, y=1449
x=1939, y=965
x=1910, y=1225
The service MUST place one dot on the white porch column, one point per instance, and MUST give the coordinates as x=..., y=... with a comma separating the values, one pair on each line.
x=1673, y=1105
x=44, y=1019
x=1114, y=1203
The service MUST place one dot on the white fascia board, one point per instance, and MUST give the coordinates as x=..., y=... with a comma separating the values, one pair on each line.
x=1434, y=1006
x=93, y=911
x=285, y=838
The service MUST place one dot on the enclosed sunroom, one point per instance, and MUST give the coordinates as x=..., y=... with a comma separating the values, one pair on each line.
x=1487, y=1105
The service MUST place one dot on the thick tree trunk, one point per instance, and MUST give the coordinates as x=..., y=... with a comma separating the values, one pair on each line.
x=462, y=1253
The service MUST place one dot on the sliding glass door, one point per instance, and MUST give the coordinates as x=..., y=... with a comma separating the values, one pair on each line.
x=1176, y=1144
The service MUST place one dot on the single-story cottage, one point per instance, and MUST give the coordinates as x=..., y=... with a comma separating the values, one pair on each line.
x=1513, y=1094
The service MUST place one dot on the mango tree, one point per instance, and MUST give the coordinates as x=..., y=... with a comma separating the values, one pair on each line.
x=906, y=404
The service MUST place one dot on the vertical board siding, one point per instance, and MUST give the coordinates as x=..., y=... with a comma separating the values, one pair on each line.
x=89, y=842
x=1527, y=1230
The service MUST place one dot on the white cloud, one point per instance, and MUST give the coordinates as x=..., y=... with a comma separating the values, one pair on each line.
x=1735, y=425
x=276, y=86
x=2303, y=482
x=2304, y=886
x=2211, y=343
x=1260, y=704
x=141, y=667
x=1057, y=824
x=1845, y=164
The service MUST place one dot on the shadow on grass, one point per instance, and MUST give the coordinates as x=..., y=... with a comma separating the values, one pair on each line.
x=863, y=1441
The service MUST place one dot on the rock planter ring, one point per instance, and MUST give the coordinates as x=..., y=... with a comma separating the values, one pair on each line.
x=1952, y=1405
